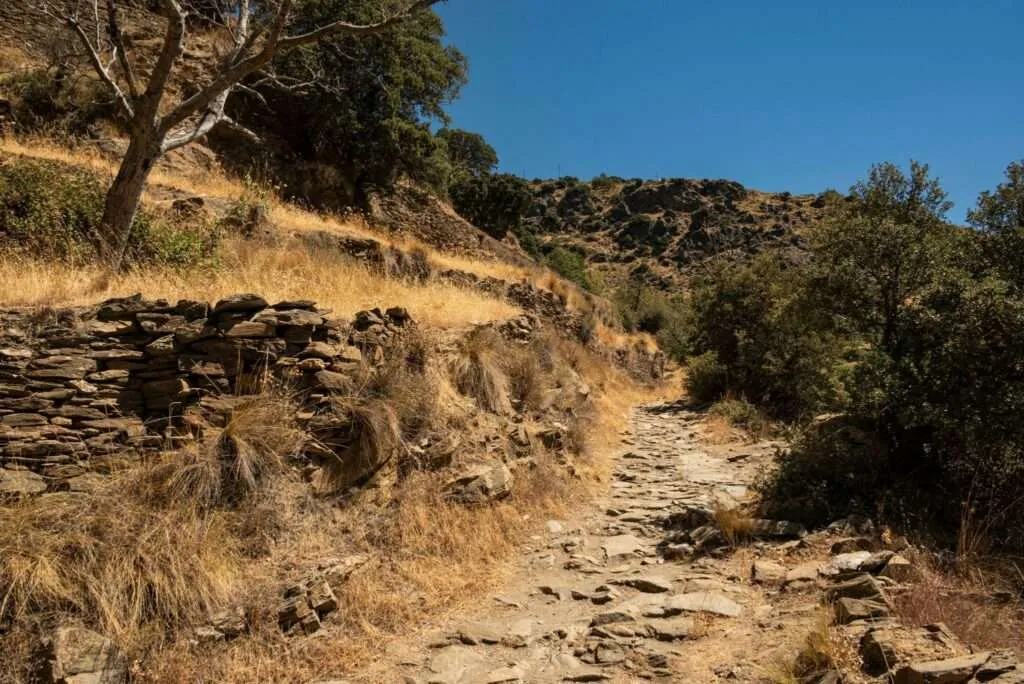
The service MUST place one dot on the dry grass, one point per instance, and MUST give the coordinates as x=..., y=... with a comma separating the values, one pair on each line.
x=288, y=216
x=964, y=598
x=736, y=526
x=477, y=371
x=333, y=281
x=372, y=441
x=822, y=651
x=433, y=555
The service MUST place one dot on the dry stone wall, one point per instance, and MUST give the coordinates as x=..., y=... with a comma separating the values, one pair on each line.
x=79, y=387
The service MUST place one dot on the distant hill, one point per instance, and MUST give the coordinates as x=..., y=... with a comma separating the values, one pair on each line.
x=668, y=226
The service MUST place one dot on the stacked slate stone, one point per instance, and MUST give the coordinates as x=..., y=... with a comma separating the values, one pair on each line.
x=83, y=385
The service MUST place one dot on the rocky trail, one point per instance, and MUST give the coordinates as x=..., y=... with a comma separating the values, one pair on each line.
x=665, y=579
x=601, y=598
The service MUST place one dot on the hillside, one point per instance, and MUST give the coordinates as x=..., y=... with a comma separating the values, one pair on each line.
x=668, y=226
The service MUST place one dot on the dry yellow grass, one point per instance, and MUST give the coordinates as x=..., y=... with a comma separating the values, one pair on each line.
x=332, y=281
x=288, y=216
x=962, y=598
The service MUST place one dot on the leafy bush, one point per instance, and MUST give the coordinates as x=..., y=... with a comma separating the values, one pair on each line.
x=776, y=349
x=935, y=317
x=570, y=265
x=494, y=203
x=742, y=414
x=707, y=378
x=51, y=211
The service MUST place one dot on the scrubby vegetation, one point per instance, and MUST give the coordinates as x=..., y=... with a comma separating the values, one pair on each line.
x=50, y=211
x=906, y=325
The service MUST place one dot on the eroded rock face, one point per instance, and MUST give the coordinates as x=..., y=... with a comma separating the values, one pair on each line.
x=75, y=655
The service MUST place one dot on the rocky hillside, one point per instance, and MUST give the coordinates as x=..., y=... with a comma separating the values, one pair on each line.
x=669, y=226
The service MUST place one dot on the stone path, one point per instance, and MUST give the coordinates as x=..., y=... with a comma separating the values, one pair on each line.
x=594, y=599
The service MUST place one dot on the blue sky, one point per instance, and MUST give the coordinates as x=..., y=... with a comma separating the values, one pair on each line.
x=790, y=95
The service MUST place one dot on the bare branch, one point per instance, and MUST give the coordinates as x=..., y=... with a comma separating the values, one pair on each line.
x=290, y=42
x=71, y=21
x=174, y=45
x=273, y=45
x=117, y=40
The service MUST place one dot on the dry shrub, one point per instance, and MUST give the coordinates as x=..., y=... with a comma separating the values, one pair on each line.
x=225, y=469
x=477, y=370
x=736, y=526
x=526, y=377
x=368, y=439
x=967, y=599
x=114, y=560
x=822, y=651
x=409, y=382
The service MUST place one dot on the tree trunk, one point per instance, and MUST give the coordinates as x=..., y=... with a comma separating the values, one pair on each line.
x=122, y=202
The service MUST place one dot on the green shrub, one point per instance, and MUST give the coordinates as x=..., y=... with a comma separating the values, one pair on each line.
x=707, y=378
x=51, y=211
x=835, y=467
x=570, y=265
x=777, y=349
x=742, y=414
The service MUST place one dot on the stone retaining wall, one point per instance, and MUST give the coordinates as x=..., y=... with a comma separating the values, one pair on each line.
x=79, y=386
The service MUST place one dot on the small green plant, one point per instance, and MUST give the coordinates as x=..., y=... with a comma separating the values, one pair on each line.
x=51, y=211
x=742, y=414
x=570, y=265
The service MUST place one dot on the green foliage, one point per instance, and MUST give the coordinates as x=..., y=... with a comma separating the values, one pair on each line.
x=368, y=113
x=50, y=211
x=494, y=203
x=707, y=378
x=55, y=102
x=570, y=265
x=742, y=414
x=645, y=309
x=468, y=152
x=1000, y=214
x=778, y=351
x=934, y=318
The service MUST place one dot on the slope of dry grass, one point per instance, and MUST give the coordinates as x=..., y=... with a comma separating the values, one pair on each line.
x=332, y=280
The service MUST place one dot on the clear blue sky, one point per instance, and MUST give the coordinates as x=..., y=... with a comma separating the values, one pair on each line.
x=794, y=95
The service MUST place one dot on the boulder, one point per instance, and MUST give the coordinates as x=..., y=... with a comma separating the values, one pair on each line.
x=848, y=610
x=950, y=671
x=240, y=303
x=18, y=483
x=75, y=655
x=481, y=484
x=767, y=572
x=888, y=647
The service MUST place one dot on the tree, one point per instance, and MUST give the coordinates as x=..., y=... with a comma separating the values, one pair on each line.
x=1000, y=215
x=362, y=106
x=877, y=251
x=469, y=152
x=258, y=31
x=495, y=203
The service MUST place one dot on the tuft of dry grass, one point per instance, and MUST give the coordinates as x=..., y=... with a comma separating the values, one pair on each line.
x=737, y=527
x=335, y=282
x=372, y=440
x=822, y=651
x=965, y=598
x=477, y=370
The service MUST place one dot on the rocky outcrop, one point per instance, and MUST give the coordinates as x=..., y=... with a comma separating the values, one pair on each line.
x=668, y=226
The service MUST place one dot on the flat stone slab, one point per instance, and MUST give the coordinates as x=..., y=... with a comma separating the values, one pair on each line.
x=621, y=545
x=702, y=602
x=951, y=671
x=648, y=584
